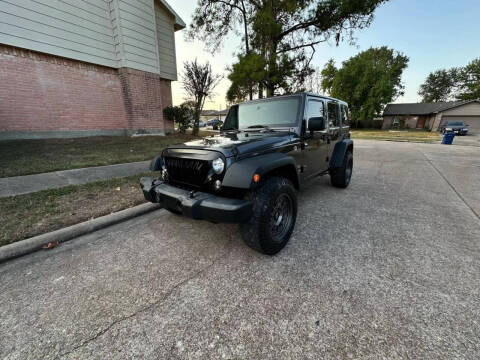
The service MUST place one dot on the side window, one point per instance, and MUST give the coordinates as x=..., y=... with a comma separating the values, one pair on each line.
x=333, y=115
x=345, y=116
x=315, y=109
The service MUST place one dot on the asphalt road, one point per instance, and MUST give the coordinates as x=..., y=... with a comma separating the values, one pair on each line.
x=389, y=268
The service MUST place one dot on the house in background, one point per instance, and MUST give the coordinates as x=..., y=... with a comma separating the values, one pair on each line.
x=222, y=114
x=85, y=68
x=433, y=116
x=206, y=115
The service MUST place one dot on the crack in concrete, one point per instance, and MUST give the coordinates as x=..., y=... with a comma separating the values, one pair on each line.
x=451, y=186
x=150, y=306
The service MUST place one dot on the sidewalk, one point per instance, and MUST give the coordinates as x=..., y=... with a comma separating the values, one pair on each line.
x=19, y=185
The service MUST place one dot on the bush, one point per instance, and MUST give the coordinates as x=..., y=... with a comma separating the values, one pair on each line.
x=366, y=124
x=181, y=115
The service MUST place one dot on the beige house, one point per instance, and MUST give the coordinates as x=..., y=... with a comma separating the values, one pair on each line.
x=206, y=115
x=222, y=114
x=432, y=116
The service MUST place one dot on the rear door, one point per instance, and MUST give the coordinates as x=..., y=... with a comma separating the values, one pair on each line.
x=345, y=117
x=335, y=131
x=315, y=151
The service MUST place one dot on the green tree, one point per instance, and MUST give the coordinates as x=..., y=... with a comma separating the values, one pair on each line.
x=198, y=82
x=246, y=75
x=368, y=81
x=213, y=20
x=181, y=115
x=469, y=81
x=328, y=75
x=440, y=85
x=283, y=33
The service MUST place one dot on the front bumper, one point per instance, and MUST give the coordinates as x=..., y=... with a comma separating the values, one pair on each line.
x=458, y=131
x=196, y=205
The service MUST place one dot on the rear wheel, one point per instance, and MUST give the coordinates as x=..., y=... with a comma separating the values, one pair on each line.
x=273, y=218
x=340, y=177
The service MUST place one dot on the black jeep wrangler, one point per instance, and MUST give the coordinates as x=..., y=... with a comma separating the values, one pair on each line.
x=248, y=174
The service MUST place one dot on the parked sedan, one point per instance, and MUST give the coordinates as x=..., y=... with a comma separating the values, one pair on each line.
x=200, y=123
x=215, y=123
x=458, y=127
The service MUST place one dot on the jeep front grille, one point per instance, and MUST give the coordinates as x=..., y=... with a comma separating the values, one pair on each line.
x=187, y=171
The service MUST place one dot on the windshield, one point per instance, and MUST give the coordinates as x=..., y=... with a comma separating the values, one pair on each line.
x=282, y=112
x=457, y=123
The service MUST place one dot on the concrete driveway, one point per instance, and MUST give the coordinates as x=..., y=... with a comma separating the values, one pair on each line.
x=468, y=140
x=389, y=268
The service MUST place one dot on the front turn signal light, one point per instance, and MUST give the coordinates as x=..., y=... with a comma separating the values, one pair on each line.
x=256, y=178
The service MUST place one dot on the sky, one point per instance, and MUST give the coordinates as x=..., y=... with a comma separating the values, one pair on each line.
x=434, y=34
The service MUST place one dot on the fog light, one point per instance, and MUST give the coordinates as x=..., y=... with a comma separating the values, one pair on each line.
x=217, y=185
x=164, y=175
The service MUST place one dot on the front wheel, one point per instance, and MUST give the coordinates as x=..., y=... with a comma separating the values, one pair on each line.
x=273, y=217
x=340, y=177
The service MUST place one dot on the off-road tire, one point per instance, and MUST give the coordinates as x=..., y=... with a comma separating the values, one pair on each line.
x=259, y=232
x=340, y=177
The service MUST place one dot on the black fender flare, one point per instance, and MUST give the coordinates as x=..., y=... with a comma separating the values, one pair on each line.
x=339, y=152
x=156, y=164
x=240, y=174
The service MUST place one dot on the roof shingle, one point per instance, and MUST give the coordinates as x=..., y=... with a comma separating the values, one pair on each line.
x=419, y=108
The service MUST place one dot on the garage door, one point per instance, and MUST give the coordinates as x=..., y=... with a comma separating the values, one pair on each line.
x=472, y=121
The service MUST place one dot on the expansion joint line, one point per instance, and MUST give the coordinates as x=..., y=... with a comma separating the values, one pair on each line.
x=477, y=215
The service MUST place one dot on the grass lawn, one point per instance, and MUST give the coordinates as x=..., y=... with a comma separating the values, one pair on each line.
x=397, y=135
x=33, y=214
x=24, y=157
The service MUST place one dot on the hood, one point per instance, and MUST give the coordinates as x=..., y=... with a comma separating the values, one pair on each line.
x=239, y=143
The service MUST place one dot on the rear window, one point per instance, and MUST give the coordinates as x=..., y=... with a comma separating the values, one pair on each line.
x=345, y=116
x=456, y=123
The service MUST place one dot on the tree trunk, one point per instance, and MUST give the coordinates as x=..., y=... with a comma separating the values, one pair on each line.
x=247, y=46
x=270, y=89
x=272, y=64
x=196, y=116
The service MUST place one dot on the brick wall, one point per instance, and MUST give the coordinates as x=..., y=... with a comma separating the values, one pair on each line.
x=145, y=95
x=49, y=94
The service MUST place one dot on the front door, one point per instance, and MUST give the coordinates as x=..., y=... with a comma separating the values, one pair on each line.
x=316, y=142
x=421, y=122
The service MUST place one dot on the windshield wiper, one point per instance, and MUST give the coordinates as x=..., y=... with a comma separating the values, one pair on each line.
x=257, y=127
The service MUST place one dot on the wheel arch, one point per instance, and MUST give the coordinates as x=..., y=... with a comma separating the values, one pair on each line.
x=339, y=151
x=287, y=171
x=240, y=174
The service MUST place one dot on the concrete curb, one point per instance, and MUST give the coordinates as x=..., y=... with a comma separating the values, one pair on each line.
x=33, y=244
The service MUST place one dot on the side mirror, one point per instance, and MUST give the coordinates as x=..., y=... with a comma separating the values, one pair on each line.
x=316, y=124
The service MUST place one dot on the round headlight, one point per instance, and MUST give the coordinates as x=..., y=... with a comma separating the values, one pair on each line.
x=218, y=165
